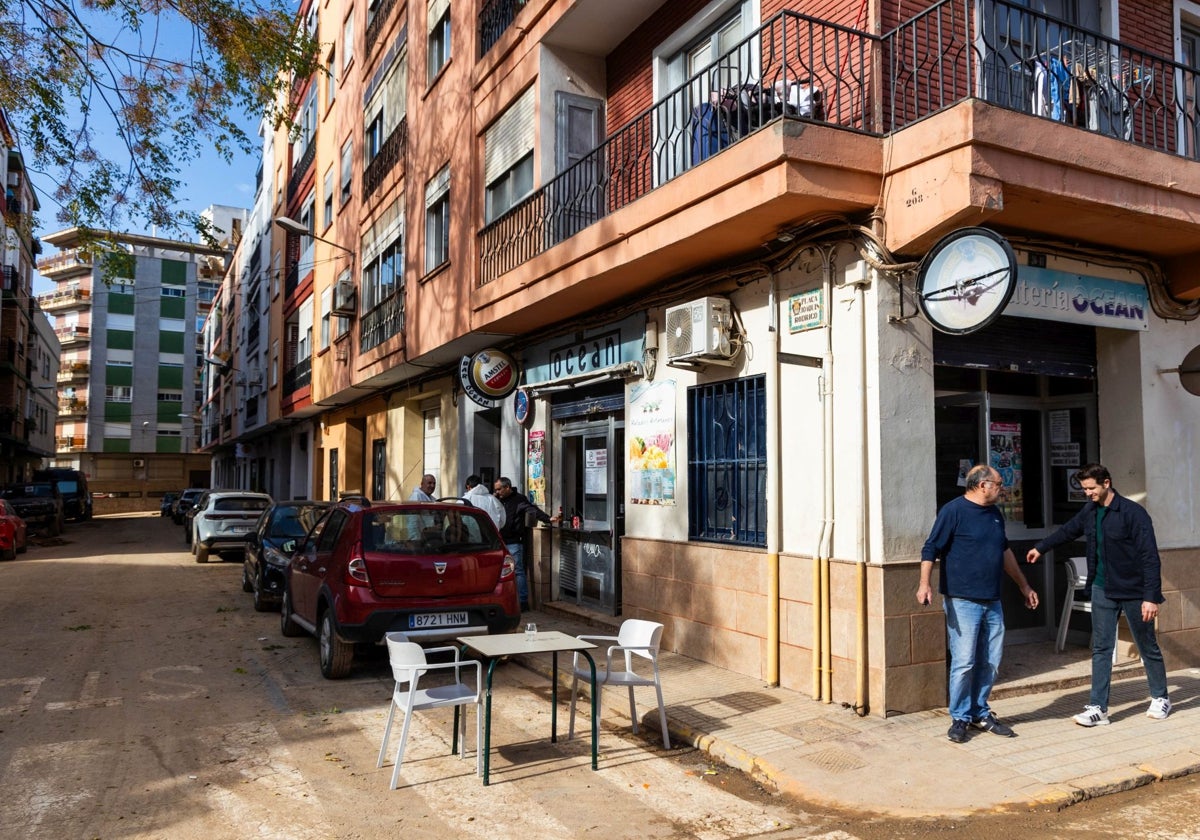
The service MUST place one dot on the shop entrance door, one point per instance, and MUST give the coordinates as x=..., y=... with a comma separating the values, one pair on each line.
x=1036, y=444
x=592, y=478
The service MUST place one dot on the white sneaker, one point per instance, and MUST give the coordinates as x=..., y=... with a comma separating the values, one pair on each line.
x=1093, y=716
x=1160, y=707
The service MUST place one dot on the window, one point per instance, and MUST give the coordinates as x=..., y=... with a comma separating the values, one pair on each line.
x=508, y=157
x=437, y=220
x=383, y=273
x=173, y=291
x=727, y=461
x=385, y=104
x=274, y=363
x=206, y=292
x=348, y=41
x=304, y=338
x=438, y=18
x=328, y=198
x=118, y=393
x=170, y=396
x=326, y=305
x=347, y=169
x=341, y=324
x=331, y=78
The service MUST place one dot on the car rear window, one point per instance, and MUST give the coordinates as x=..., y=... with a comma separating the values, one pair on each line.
x=241, y=503
x=65, y=487
x=425, y=531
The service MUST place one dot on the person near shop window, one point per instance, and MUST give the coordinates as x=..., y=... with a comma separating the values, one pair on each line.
x=477, y=494
x=968, y=538
x=424, y=491
x=516, y=509
x=1124, y=575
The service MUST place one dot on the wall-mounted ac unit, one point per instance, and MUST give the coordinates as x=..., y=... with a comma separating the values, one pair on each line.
x=138, y=463
x=699, y=332
x=343, y=298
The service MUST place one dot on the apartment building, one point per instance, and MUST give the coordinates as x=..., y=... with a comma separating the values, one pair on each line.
x=767, y=277
x=131, y=380
x=28, y=349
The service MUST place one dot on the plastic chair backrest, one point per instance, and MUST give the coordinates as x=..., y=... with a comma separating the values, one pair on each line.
x=638, y=633
x=1078, y=567
x=405, y=656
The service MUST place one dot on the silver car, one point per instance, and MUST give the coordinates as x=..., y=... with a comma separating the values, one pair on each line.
x=223, y=519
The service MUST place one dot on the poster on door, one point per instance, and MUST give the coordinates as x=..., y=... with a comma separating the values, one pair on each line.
x=1004, y=454
x=650, y=427
x=535, y=468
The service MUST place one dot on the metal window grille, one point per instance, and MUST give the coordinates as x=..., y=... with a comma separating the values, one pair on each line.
x=727, y=461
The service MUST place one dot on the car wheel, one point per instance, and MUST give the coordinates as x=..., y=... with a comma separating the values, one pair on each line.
x=187, y=536
x=286, y=626
x=247, y=586
x=261, y=604
x=199, y=552
x=24, y=546
x=336, y=654
x=11, y=554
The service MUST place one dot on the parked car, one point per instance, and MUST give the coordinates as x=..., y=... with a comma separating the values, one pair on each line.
x=73, y=484
x=39, y=503
x=184, y=503
x=433, y=571
x=222, y=519
x=270, y=545
x=168, y=500
x=14, y=533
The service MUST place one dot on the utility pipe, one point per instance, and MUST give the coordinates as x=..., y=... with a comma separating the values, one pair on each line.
x=774, y=483
x=864, y=519
x=822, y=653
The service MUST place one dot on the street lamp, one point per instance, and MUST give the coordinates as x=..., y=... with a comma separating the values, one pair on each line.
x=292, y=226
x=223, y=367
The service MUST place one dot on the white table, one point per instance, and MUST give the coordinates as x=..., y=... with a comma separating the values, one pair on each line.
x=546, y=641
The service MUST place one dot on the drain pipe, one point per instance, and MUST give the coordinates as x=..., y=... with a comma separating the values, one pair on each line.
x=822, y=653
x=860, y=280
x=774, y=502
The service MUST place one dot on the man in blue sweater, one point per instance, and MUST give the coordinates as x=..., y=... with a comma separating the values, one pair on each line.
x=1124, y=575
x=968, y=537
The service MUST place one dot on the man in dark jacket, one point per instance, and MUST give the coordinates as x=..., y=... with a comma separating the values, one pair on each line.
x=1124, y=575
x=516, y=508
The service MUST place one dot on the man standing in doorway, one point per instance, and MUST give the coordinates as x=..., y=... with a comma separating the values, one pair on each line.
x=1124, y=575
x=516, y=508
x=424, y=492
x=477, y=494
x=968, y=537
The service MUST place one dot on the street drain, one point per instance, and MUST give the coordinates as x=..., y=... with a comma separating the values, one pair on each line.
x=835, y=761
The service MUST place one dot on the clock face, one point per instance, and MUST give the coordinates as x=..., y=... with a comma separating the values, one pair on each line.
x=966, y=280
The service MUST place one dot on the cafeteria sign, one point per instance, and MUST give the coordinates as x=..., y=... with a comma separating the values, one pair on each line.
x=488, y=377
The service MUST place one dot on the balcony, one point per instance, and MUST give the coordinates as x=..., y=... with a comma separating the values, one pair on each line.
x=298, y=377
x=494, y=18
x=72, y=408
x=70, y=444
x=70, y=261
x=301, y=167
x=383, y=11
x=382, y=322
x=390, y=154
x=64, y=299
x=801, y=114
x=74, y=371
x=73, y=335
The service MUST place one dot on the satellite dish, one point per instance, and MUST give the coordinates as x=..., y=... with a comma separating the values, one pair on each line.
x=1189, y=371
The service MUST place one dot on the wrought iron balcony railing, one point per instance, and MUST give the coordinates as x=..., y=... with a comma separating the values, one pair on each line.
x=382, y=322
x=799, y=67
x=301, y=167
x=383, y=10
x=390, y=153
x=298, y=377
x=494, y=18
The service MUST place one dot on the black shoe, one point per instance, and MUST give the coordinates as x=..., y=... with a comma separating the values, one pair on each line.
x=958, y=732
x=991, y=724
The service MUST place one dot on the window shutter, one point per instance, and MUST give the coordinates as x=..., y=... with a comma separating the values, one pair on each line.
x=437, y=187
x=437, y=8
x=509, y=139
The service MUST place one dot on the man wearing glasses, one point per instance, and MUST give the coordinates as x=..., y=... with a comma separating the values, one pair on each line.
x=968, y=538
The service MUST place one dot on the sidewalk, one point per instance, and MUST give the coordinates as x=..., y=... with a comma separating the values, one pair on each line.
x=904, y=765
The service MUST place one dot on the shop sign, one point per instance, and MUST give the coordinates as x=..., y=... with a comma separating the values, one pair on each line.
x=586, y=352
x=1079, y=299
x=488, y=377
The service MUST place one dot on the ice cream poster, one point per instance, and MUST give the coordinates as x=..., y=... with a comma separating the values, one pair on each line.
x=650, y=431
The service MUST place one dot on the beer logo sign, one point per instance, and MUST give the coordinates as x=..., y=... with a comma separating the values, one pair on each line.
x=488, y=376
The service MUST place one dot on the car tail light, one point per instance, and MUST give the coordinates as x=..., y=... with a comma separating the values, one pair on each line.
x=509, y=569
x=356, y=569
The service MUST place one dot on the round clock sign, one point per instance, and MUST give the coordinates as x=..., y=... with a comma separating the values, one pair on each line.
x=966, y=280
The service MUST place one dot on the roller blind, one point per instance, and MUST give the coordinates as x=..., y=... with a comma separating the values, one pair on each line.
x=437, y=8
x=510, y=138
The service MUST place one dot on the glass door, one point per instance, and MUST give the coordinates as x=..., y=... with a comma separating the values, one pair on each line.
x=592, y=497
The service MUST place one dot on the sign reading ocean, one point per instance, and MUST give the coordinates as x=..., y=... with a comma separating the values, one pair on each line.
x=1078, y=299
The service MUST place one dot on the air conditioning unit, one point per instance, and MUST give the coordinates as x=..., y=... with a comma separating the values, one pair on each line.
x=138, y=463
x=343, y=298
x=700, y=332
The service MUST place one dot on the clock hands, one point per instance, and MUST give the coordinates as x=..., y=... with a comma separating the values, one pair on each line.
x=959, y=289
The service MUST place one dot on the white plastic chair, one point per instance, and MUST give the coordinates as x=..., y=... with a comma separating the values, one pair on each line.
x=635, y=638
x=1076, y=582
x=409, y=664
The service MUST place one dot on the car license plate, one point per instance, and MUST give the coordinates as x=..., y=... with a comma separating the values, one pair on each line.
x=449, y=619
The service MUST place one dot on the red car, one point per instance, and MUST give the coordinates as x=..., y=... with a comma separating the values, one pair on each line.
x=432, y=571
x=14, y=536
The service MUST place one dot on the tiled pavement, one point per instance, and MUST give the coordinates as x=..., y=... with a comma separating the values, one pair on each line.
x=825, y=753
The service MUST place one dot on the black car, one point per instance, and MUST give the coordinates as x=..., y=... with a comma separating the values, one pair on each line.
x=269, y=548
x=73, y=485
x=184, y=503
x=39, y=503
x=168, y=501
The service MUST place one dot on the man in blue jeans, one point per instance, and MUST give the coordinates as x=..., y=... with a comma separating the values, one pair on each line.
x=968, y=538
x=1124, y=575
x=516, y=509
